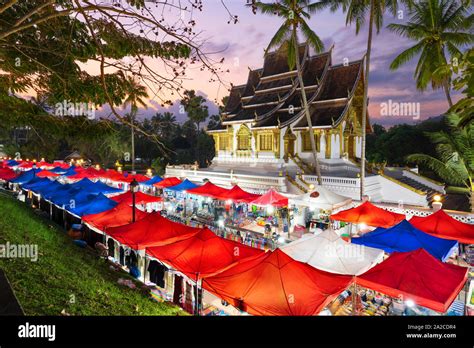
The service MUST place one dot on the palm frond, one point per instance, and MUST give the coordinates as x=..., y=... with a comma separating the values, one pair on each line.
x=311, y=37
x=280, y=36
x=406, y=55
x=440, y=168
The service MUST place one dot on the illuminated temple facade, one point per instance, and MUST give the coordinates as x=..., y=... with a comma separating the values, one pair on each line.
x=263, y=138
x=264, y=121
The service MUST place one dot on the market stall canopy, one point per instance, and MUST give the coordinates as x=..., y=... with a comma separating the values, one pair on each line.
x=321, y=198
x=405, y=237
x=156, y=179
x=13, y=163
x=442, y=225
x=153, y=230
x=27, y=165
x=273, y=198
x=417, y=276
x=140, y=198
x=209, y=190
x=58, y=164
x=59, y=170
x=25, y=176
x=328, y=252
x=81, y=175
x=370, y=215
x=184, y=186
x=203, y=255
x=95, y=187
x=70, y=171
x=120, y=215
x=275, y=284
x=98, y=204
x=7, y=174
x=167, y=182
x=46, y=189
x=128, y=178
x=236, y=194
x=36, y=183
x=46, y=174
x=72, y=197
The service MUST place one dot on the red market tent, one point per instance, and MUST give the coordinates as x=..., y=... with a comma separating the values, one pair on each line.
x=62, y=165
x=46, y=174
x=276, y=284
x=121, y=215
x=416, y=276
x=203, y=255
x=153, y=230
x=370, y=215
x=138, y=177
x=273, y=198
x=140, y=198
x=168, y=182
x=236, y=194
x=442, y=225
x=112, y=175
x=26, y=165
x=209, y=190
x=81, y=174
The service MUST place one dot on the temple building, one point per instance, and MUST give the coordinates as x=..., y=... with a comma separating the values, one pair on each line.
x=264, y=121
x=263, y=139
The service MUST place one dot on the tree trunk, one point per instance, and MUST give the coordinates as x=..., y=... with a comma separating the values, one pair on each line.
x=364, y=103
x=448, y=94
x=472, y=200
x=308, y=115
x=133, y=140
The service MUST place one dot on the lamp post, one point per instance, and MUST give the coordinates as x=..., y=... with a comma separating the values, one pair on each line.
x=134, y=189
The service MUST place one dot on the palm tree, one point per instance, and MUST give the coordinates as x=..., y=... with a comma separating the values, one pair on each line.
x=357, y=12
x=135, y=93
x=437, y=27
x=295, y=13
x=455, y=152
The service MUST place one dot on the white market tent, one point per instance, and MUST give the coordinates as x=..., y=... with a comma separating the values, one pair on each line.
x=327, y=251
x=321, y=198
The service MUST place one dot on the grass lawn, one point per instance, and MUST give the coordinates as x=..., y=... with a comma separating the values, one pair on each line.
x=65, y=277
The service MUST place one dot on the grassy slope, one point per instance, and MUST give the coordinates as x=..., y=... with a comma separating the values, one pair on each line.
x=63, y=269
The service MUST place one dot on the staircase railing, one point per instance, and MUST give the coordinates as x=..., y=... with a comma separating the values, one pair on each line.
x=295, y=183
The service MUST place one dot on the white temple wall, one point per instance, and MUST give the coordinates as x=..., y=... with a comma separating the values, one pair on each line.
x=335, y=146
x=358, y=146
x=322, y=145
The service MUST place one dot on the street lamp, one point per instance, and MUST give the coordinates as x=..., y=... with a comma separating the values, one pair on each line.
x=134, y=189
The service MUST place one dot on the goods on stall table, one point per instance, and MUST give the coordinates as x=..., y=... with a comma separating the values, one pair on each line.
x=369, y=303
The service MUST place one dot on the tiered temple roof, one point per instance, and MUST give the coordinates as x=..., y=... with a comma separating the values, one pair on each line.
x=272, y=96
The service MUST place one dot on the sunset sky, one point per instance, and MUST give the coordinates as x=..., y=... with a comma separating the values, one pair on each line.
x=242, y=45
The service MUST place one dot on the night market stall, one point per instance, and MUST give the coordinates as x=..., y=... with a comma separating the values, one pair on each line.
x=312, y=210
x=413, y=279
x=276, y=284
x=327, y=251
x=405, y=237
x=196, y=258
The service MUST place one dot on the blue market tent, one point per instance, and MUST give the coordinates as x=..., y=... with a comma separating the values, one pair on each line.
x=12, y=163
x=76, y=195
x=152, y=181
x=59, y=170
x=46, y=189
x=404, y=237
x=94, y=205
x=58, y=191
x=36, y=183
x=95, y=187
x=25, y=177
x=185, y=185
x=70, y=171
